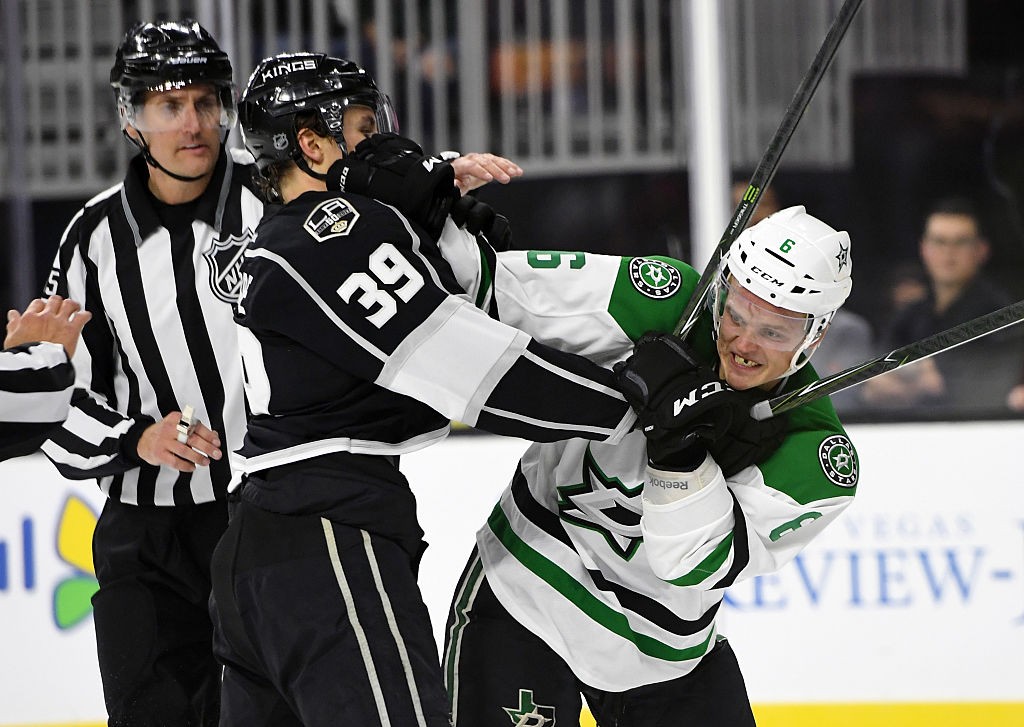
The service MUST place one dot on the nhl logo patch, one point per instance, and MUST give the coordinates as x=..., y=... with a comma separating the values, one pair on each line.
x=332, y=218
x=280, y=142
x=225, y=260
x=654, y=278
x=838, y=461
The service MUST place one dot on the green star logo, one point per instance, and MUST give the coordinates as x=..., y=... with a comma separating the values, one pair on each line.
x=838, y=460
x=529, y=714
x=654, y=278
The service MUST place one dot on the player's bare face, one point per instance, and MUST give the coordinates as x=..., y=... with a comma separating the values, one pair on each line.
x=756, y=340
x=358, y=123
x=183, y=128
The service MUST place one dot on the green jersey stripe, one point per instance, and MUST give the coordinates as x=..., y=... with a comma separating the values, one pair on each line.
x=577, y=593
x=716, y=558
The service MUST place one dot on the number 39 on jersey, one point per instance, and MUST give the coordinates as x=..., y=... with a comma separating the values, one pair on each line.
x=390, y=276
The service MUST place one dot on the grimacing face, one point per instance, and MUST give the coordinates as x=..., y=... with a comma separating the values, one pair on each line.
x=182, y=128
x=756, y=340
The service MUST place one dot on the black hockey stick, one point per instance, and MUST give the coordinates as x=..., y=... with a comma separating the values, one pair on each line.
x=926, y=347
x=769, y=161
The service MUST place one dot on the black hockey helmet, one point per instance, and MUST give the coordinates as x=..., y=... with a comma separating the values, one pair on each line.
x=291, y=83
x=166, y=55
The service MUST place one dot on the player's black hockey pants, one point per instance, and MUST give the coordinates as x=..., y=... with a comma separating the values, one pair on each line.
x=321, y=624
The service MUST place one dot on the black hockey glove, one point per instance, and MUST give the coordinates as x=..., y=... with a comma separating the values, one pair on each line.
x=682, y=406
x=479, y=218
x=748, y=441
x=394, y=169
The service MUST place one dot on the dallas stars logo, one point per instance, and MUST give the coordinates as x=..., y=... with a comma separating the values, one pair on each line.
x=838, y=461
x=529, y=714
x=654, y=278
x=605, y=505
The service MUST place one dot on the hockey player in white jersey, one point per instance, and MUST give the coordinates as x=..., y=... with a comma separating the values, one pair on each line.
x=602, y=567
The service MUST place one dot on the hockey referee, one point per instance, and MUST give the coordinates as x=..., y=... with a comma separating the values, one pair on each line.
x=155, y=259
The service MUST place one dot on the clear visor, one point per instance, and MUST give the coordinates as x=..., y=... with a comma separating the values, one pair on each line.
x=737, y=311
x=352, y=119
x=333, y=95
x=179, y=107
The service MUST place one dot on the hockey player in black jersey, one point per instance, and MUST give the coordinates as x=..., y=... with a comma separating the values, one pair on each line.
x=358, y=346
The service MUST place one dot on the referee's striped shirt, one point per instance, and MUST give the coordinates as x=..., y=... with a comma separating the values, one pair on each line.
x=162, y=334
x=36, y=380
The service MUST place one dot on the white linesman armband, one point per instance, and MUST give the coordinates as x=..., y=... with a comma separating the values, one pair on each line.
x=662, y=487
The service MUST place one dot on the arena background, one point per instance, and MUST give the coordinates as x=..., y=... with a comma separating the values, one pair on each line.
x=911, y=610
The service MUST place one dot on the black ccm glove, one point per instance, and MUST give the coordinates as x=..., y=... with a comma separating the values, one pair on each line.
x=394, y=169
x=686, y=411
x=748, y=441
x=681, y=405
x=479, y=218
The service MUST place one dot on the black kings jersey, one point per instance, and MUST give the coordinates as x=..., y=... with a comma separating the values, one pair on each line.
x=356, y=338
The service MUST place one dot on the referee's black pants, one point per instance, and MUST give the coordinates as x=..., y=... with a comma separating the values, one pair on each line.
x=319, y=623
x=153, y=634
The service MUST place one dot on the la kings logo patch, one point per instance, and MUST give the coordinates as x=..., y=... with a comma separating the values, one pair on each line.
x=529, y=714
x=838, y=461
x=331, y=218
x=225, y=260
x=654, y=278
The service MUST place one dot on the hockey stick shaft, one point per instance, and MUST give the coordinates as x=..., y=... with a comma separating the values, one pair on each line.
x=769, y=161
x=926, y=347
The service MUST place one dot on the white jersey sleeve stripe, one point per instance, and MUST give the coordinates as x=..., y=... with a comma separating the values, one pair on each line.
x=320, y=303
x=575, y=378
x=604, y=432
x=415, y=245
x=459, y=387
x=36, y=407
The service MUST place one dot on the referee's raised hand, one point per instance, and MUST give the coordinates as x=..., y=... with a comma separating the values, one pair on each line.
x=160, y=444
x=56, y=319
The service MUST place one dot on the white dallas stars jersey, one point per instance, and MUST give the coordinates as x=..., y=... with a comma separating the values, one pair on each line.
x=563, y=548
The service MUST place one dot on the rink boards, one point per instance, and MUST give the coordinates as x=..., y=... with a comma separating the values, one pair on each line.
x=908, y=611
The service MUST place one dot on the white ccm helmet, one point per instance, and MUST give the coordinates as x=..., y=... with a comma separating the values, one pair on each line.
x=794, y=261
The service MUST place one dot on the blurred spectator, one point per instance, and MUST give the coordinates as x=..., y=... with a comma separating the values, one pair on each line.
x=850, y=337
x=908, y=284
x=971, y=379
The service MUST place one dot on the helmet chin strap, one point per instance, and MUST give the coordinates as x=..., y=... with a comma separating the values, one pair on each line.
x=151, y=160
x=302, y=164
